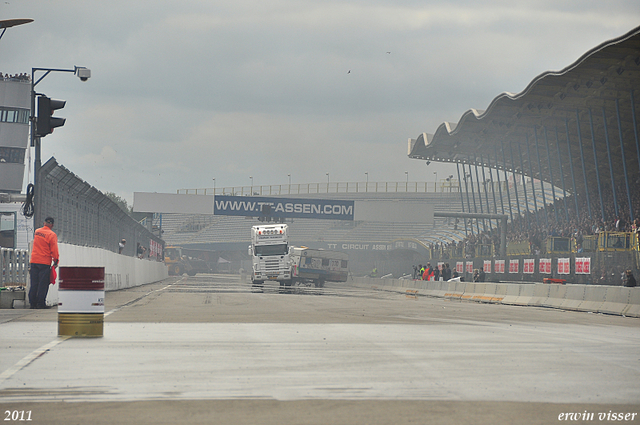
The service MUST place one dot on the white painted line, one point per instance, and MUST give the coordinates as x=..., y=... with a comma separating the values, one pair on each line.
x=27, y=360
x=139, y=298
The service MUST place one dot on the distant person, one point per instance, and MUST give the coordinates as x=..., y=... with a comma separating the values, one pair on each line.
x=428, y=272
x=121, y=245
x=446, y=272
x=43, y=253
x=630, y=281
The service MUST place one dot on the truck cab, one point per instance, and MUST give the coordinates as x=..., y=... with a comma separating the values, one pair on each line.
x=269, y=251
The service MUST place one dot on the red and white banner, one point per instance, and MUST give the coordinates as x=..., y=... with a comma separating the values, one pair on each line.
x=563, y=266
x=155, y=249
x=514, y=266
x=545, y=265
x=499, y=266
x=487, y=266
x=460, y=267
x=440, y=265
x=583, y=265
x=529, y=265
x=469, y=266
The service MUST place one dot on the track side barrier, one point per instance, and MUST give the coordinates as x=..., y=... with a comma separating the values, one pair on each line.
x=616, y=300
x=633, y=308
x=574, y=297
x=593, y=299
x=512, y=293
x=526, y=294
x=556, y=295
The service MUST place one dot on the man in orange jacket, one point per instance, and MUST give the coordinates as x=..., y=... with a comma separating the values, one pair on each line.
x=44, y=251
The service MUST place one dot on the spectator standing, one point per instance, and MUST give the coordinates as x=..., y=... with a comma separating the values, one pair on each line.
x=630, y=281
x=121, y=245
x=44, y=251
x=446, y=272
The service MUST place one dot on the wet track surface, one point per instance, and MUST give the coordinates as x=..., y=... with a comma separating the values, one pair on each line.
x=339, y=354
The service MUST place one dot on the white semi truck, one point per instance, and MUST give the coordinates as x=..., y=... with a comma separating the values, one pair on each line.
x=273, y=259
x=269, y=251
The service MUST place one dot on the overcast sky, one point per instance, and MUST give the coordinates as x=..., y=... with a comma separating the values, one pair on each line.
x=183, y=92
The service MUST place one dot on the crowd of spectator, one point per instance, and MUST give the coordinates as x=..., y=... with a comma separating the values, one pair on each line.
x=533, y=227
x=15, y=77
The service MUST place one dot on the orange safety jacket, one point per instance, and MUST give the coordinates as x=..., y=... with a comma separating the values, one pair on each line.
x=45, y=246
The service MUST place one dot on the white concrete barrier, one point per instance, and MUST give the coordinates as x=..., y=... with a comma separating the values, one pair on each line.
x=602, y=299
x=593, y=298
x=616, y=300
x=120, y=271
x=633, y=309
x=540, y=294
x=574, y=297
x=512, y=293
x=556, y=295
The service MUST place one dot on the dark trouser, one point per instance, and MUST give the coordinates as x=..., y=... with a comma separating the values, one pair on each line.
x=40, y=278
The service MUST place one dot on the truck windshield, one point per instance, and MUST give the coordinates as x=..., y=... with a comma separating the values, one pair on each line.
x=279, y=249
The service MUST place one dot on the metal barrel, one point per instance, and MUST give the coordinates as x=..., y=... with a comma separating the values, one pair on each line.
x=81, y=301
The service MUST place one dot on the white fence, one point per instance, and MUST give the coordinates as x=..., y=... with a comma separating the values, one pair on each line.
x=14, y=266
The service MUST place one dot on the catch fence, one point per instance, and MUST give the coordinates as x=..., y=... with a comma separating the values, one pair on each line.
x=85, y=216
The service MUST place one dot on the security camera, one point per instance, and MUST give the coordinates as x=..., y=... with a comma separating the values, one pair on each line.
x=83, y=73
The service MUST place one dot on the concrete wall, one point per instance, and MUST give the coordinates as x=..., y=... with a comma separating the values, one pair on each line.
x=120, y=271
x=616, y=300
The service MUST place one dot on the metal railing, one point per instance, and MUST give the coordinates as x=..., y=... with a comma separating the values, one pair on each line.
x=329, y=187
x=14, y=266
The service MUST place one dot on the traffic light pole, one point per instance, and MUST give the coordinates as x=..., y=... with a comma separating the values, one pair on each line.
x=83, y=74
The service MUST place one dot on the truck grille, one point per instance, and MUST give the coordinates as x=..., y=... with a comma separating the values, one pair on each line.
x=271, y=266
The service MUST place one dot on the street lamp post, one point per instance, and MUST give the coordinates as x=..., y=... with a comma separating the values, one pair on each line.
x=81, y=72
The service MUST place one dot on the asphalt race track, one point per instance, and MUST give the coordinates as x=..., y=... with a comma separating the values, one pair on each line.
x=211, y=349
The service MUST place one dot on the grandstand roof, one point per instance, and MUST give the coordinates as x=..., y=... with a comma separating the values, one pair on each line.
x=590, y=101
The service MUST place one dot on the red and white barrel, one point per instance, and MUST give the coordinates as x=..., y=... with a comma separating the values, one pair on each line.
x=81, y=301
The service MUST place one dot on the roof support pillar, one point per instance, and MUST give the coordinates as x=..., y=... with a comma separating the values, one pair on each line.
x=564, y=190
x=462, y=197
x=524, y=187
x=484, y=223
x=573, y=176
x=595, y=161
x=613, y=182
x=553, y=186
x=473, y=195
x=624, y=162
x=506, y=181
x=584, y=170
x=515, y=183
x=544, y=196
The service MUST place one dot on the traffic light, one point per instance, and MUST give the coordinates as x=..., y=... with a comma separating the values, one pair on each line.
x=46, y=122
